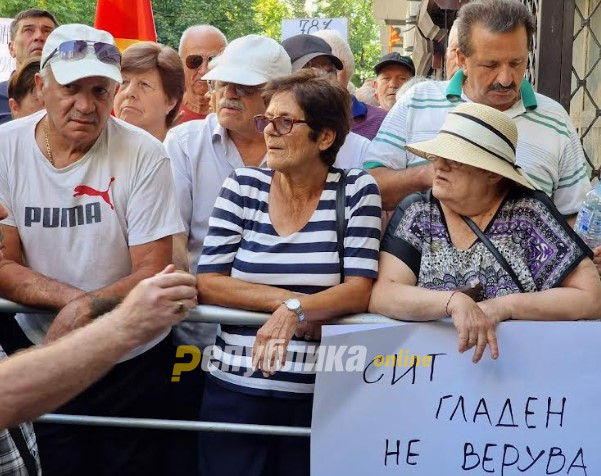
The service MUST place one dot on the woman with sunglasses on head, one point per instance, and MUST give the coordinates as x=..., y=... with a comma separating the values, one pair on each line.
x=152, y=88
x=483, y=245
x=273, y=246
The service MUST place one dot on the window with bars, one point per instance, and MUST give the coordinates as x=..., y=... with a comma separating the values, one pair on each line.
x=585, y=103
x=531, y=69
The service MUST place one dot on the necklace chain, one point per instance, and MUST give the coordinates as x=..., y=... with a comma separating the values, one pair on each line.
x=48, y=149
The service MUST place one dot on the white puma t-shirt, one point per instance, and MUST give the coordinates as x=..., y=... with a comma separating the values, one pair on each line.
x=76, y=224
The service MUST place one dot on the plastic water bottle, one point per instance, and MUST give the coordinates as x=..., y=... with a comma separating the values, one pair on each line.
x=588, y=222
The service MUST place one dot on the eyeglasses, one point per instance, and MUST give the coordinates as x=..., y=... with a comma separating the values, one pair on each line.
x=195, y=61
x=241, y=91
x=78, y=49
x=282, y=124
x=452, y=163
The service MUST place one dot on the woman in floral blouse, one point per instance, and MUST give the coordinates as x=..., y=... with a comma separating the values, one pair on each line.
x=483, y=245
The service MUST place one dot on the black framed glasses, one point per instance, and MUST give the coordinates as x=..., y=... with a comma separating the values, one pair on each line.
x=241, y=90
x=195, y=61
x=282, y=124
x=74, y=50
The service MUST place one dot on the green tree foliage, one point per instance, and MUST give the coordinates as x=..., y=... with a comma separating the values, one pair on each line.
x=269, y=15
x=234, y=17
x=363, y=32
x=65, y=11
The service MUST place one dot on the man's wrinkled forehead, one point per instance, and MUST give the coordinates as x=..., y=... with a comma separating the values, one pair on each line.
x=32, y=21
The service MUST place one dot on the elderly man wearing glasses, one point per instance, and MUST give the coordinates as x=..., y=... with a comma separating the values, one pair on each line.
x=198, y=45
x=85, y=224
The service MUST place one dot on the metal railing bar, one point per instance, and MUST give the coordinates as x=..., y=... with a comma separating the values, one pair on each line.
x=185, y=425
x=223, y=315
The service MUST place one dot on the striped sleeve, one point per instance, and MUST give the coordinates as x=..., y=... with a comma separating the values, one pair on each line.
x=225, y=229
x=362, y=238
x=574, y=181
x=387, y=149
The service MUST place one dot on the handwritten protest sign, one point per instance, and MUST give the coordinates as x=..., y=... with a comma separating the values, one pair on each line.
x=7, y=63
x=418, y=407
x=306, y=26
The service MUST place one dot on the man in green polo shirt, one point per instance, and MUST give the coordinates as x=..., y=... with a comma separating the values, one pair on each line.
x=495, y=37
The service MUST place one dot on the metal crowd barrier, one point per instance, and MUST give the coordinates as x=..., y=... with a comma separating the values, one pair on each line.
x=208, y=314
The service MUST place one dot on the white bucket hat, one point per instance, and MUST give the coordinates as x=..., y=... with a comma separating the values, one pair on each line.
x=480, y=136
x=250, y=60
x=66, y=71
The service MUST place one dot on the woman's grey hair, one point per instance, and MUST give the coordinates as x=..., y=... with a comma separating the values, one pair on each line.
x=408, y=85
x=199, y=29
x=497, y=16
x=340, y=49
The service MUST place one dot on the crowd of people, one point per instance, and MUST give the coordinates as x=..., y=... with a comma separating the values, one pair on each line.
x=244, y=174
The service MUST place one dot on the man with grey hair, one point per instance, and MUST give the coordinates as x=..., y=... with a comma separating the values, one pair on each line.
x=366, y=119
x=84, y=226
x=204, y=153
x=198, y=45
x=495, y=37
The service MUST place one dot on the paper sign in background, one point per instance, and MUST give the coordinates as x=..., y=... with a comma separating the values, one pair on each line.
x=440, y=415
x=306, y=26
x=7, y=63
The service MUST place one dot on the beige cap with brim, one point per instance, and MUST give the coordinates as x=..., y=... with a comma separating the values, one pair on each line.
x=480, y=136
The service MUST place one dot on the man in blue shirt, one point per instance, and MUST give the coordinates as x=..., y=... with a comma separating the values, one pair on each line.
x=28, y=33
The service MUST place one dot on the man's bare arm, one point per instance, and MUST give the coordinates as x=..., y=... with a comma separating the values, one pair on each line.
x=147, y=260
x=397, y=184
x=25, y=286
x=39, y=379
x=180, y=251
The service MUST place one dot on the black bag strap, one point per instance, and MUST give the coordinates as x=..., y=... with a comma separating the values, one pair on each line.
x=341, y=218
x=28, y=459
x=496, y=253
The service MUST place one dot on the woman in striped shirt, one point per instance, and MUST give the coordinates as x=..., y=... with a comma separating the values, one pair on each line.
x=272, y=246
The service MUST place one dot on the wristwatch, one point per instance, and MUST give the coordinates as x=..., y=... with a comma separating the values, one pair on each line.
x=294, y=305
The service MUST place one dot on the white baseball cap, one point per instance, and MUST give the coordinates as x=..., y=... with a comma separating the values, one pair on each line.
x=67, y=69
x=250, y=60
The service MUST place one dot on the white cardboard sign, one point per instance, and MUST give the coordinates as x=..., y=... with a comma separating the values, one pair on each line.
x=306, y=26
x=7, y=63
x=534, y=411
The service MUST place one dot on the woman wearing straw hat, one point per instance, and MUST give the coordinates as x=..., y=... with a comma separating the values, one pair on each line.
x=483, y=237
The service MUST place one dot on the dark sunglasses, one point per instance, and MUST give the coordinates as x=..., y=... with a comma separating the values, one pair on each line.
x=282, y=124
x=195, y=61
x=78, y=49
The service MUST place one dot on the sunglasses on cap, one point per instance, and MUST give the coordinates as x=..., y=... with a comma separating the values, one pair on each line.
x=282, y=124
x=195, y=61
x=78, y=49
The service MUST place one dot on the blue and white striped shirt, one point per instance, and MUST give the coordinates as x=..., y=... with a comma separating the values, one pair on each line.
x=242, y=242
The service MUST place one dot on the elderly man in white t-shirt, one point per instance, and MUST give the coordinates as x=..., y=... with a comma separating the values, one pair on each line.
x=91, y=212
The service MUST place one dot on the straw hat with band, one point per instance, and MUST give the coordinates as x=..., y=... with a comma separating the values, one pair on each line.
x=480, y=136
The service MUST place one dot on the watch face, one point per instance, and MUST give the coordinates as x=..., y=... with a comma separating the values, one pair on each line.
x=292, y=304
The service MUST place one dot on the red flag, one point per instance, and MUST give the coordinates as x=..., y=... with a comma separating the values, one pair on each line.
x=394, y=38
x=129, y=21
